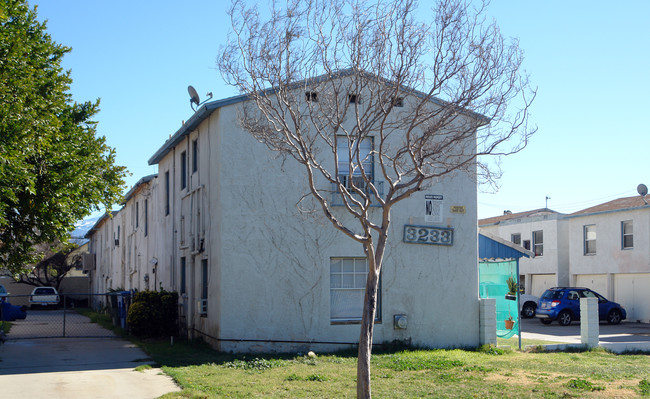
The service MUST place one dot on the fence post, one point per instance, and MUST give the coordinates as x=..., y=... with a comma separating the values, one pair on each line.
x=64, y=311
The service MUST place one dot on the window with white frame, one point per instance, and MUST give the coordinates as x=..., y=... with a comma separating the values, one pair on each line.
x=204, y=287
x=515, y=238
x=538, y=243
x=353, y=157
x=590, y=239
x=627, y=234
x=347, y=288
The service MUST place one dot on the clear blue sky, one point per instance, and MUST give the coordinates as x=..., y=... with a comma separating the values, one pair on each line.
x=589, y=59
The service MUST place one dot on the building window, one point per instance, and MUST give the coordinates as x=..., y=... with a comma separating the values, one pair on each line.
x=166, y=193
x=204, y=286
x=137, y=214
x=354, y=99
x=183, y=170
x=627, y=234
x=311, y=96
x=347, y=288
x=146, y=217
x=183, y=268
x=195, y=155
x=538, y=243
x=590, y=239
x=398, y=102
x=350, y=158
x=516, y=238
x=526, y=244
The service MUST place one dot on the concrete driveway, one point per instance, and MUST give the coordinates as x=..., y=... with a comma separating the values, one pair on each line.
x=78, y=368
x=618, y=338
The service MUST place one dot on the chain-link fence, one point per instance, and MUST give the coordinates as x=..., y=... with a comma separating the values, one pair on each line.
x=49, y=317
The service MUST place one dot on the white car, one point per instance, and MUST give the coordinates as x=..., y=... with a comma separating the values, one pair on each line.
x=528, y=305
x=44, y=296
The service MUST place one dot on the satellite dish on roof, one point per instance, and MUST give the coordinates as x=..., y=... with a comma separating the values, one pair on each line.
x=194, y=97
x=642, y=189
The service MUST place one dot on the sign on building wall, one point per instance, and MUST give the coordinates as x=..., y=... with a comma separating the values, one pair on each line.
x=428, y=235
x=433, y=208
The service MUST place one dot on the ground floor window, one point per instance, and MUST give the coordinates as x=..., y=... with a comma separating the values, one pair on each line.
x=347, y=288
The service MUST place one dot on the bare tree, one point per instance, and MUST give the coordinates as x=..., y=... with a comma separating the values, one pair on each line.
x=377, y=100
x=56, y=260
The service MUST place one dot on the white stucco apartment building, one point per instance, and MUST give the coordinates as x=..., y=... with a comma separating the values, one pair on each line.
x=256, y=274
x=605, y=248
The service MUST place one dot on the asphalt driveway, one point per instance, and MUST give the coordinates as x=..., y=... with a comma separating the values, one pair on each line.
x=78, y=368
x=618, y=338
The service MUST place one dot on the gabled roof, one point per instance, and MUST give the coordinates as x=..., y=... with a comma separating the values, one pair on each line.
x=621, y=204
x=511, y=216
x=493, y=247
x=206, y=110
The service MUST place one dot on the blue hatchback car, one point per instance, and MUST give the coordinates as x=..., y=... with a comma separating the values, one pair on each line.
x=563, y=304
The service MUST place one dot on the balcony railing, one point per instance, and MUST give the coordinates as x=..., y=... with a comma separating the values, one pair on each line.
x=337, y=197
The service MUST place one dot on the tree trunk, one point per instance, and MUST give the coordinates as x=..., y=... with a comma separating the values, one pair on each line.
x=365, y=339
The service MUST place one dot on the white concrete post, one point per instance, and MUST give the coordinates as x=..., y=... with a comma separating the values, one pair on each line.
x=488, y=321
x=589, y=328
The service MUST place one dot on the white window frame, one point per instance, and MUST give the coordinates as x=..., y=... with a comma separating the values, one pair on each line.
x=347, y=290
x=627, y=234
x=589, y=238
x=538, y=244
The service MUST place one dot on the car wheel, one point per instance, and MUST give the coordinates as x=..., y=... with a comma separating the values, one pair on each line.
x=564, y=318
x=528, y=310
x=546, y=321
x=614, y=316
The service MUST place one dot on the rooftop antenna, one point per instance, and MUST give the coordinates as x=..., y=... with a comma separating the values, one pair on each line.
x=195, y=100
x=547, y=198
x=642, y=189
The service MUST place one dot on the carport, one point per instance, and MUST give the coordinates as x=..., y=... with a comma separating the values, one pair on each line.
x=499, y=261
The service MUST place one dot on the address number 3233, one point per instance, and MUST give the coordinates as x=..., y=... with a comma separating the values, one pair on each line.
x=428, y=235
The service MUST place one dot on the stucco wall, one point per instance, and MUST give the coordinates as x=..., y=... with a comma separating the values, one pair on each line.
x=269, y=265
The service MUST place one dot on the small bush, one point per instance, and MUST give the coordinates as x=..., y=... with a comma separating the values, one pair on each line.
x=644, y=385
x=153, y=314
x=583, y=385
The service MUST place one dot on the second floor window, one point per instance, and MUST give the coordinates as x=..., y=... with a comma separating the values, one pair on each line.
x=515, y=238
x=183, y=170
x=538, y=243
x=590, y=239
x=627, y=234
x=195, y=155
x=353, y=157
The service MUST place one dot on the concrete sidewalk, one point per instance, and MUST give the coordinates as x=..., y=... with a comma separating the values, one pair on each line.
x=78, y=368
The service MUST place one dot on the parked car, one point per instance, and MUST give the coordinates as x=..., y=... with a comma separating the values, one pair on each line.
x=527, y=305
x=44, y=296
x=563, y=304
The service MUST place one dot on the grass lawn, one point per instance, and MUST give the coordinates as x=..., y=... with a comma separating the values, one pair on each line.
x=486, y=373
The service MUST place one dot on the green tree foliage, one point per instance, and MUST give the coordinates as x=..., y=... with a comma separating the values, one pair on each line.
x=54, y=170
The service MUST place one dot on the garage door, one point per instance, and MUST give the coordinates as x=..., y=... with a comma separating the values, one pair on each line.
x=542, y=282
x=631, y=291
x=597, y=282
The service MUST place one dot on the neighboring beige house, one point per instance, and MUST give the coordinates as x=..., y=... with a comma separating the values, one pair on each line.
x=255, y=274
x=610, y=252
x=605, y=247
